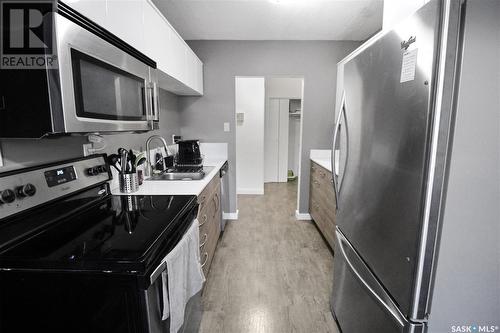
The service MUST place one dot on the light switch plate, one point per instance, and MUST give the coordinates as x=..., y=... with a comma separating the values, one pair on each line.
x=226, y=127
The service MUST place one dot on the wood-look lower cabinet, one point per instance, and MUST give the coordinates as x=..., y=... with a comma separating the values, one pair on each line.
x=322, y=202
x=209, y=219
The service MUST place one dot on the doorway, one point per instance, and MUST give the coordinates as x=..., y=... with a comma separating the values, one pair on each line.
x=268, y=117
x=282, y=124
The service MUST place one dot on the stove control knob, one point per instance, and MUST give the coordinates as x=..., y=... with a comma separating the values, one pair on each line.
x=102, y=169
x=7, y=196
x=27, y=190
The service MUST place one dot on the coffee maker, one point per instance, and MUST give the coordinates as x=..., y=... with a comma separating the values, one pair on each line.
x=189, y=154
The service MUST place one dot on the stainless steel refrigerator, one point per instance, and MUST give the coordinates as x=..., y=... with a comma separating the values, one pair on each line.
x=417, y=175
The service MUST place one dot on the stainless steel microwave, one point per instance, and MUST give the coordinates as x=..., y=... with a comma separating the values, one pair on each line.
x=100, y=84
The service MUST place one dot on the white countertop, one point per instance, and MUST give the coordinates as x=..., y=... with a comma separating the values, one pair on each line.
x=323, y=157
x=179, y=187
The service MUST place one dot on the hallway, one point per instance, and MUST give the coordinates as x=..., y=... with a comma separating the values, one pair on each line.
x=271, y=273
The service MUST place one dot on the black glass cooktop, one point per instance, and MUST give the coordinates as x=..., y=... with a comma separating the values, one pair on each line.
x=124, y=233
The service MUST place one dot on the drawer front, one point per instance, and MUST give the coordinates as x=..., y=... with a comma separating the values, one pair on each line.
x=213, y=229
x=323, y=221
x=208, y=190
x=204, y=197
x=324, y=191
x=326, y=203
x=204, y=216
x=209, y=249
x=217, y=214
x=209, y=219
x=324, y=178
x=206, y=246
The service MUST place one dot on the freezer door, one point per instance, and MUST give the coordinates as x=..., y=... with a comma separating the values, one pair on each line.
x=385, y=124
x=360, y=303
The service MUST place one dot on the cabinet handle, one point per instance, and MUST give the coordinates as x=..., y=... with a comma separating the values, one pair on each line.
x=204, y=218
x=205, y=241
x=202, y=199
x=206, y=259
x=217, y=201
x=216, y=204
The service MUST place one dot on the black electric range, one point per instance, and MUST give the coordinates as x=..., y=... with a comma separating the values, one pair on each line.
x=62, y=233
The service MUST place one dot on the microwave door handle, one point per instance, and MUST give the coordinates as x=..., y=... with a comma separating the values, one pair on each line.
x=157, y=272
x=156, y=102
x=149, y=106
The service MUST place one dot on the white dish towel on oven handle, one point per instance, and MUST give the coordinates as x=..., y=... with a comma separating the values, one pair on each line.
x=184, y=276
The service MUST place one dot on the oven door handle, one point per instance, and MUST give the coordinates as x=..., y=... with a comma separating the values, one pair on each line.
x=157, y=272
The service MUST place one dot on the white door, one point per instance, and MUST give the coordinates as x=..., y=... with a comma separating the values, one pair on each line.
x=271, y=138
x=276, y=141
x=283, y=141
x=250, y=105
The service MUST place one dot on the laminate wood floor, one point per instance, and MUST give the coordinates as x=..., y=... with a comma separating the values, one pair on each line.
x=270, y=272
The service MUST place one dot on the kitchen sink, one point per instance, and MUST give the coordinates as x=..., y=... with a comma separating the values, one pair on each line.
x=182, y=173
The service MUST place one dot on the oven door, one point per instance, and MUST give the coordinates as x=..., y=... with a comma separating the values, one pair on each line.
x=103, y=88
x=154, y=301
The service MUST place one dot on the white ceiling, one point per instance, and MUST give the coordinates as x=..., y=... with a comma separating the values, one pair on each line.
x=268, y=20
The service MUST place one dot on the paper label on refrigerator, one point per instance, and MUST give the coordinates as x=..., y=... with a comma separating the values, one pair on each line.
x=408, y=66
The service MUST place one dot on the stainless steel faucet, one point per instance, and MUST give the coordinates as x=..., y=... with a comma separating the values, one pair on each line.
x=149, y=167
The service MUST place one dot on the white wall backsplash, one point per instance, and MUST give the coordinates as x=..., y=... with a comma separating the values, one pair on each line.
x=213, y=151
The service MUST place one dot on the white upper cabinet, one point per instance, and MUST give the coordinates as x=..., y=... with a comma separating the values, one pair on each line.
x=199, y=76
x=156, y=35
x=140, y=24
x=124, y=19
x=177, y=57
x=92, y=9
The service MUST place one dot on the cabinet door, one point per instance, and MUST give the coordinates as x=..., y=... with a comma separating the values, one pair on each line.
x=283, y=140
x=124, y=19
x=156, y=35
x=271, y=137
x=94, y=10
x=176, y=57
x=199, y=76
x=190, y=68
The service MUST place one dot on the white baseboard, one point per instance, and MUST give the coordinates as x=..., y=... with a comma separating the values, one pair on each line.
x=257, y=191
x=302, y=216
x=230, y=216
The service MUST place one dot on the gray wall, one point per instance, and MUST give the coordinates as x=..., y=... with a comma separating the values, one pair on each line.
x=316, y=61
x=25, y=152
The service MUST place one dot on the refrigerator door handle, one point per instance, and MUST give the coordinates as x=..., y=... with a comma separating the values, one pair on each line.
x=335, y=175
x=369, y=281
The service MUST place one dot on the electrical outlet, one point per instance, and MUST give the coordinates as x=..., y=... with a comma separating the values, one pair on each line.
x=176, y=138
x=226, y=127
x=86, y=149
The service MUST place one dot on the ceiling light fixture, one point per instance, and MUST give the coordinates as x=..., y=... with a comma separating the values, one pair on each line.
x=294, y=2
x=286, y=2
